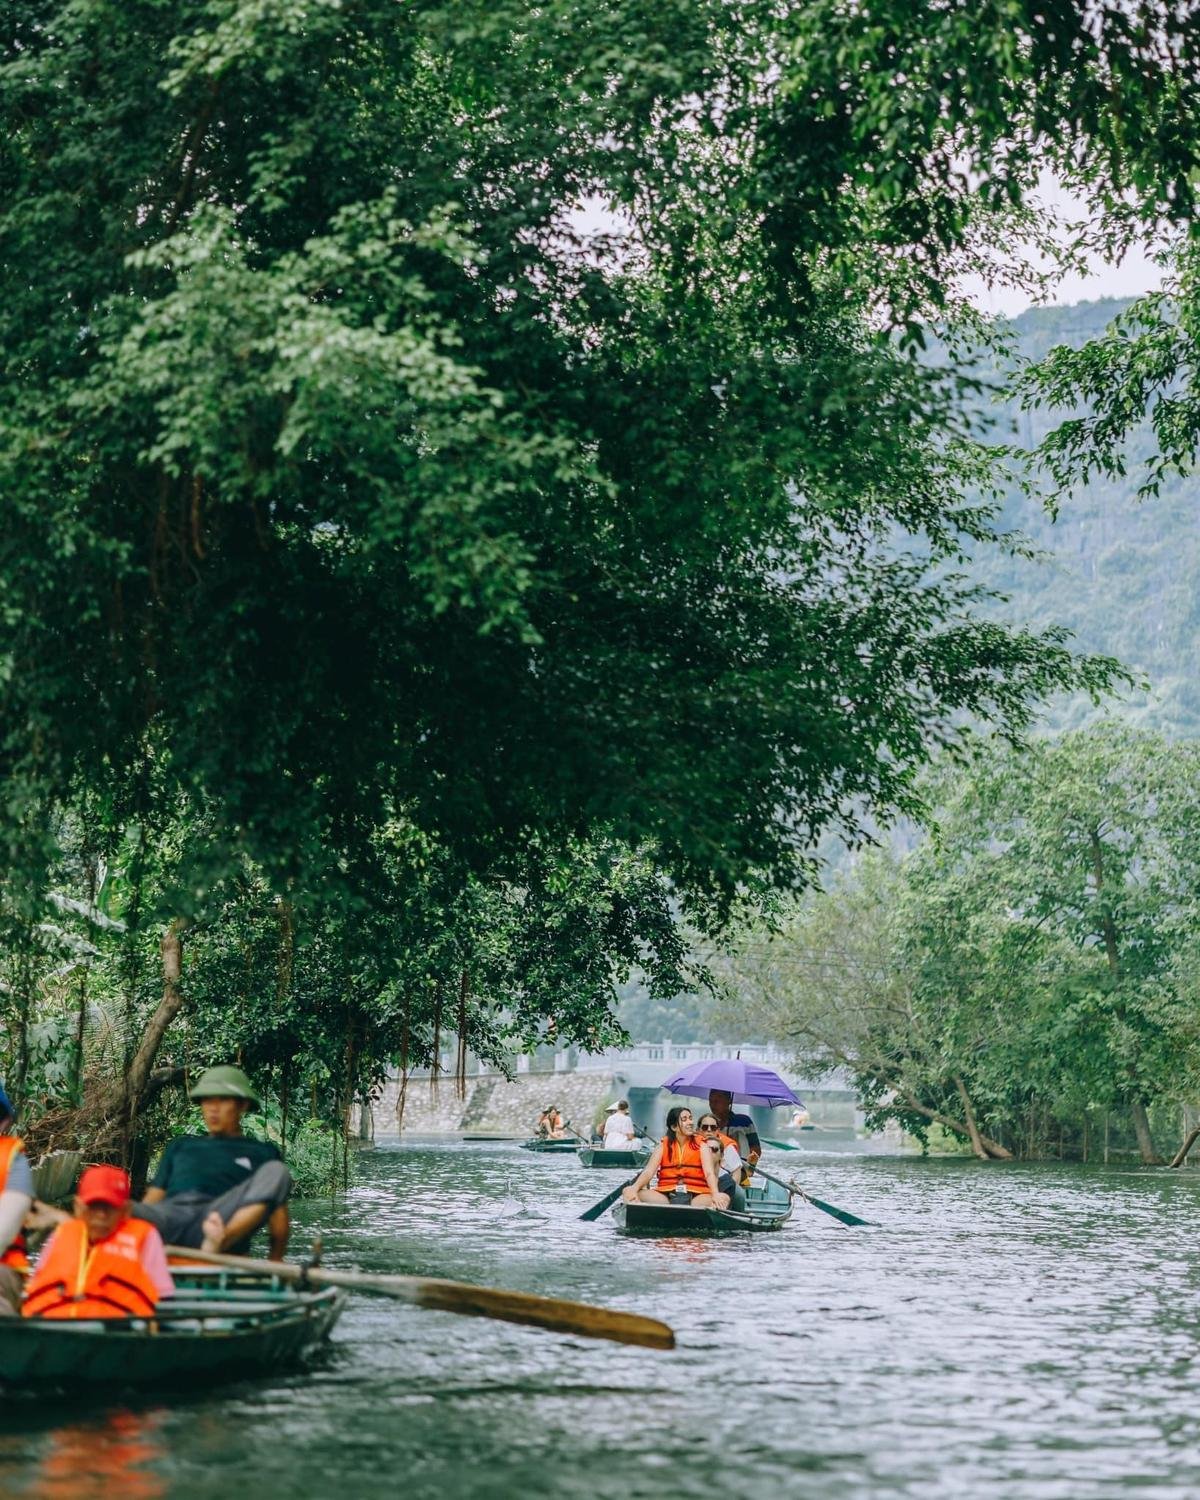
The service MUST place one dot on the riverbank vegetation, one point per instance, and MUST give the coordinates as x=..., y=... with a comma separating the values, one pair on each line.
x=1026, y=977
x=473, y=493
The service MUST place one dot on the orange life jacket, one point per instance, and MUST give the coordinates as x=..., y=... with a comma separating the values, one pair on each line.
x=106, y=1280
x=681, y=1165
x=13, y=1255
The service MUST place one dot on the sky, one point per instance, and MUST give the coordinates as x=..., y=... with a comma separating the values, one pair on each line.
x=1133, y=276
x=1130, y=277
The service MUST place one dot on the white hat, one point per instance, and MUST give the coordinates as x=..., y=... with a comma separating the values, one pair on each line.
x=611, y=1107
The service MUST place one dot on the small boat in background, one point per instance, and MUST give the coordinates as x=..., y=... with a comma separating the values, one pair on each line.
x=551, y=1146
x=595, y=1155
x=768, y=1207
x=216, y=1320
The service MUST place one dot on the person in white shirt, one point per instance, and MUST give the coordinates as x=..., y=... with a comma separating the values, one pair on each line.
x=619, y=1132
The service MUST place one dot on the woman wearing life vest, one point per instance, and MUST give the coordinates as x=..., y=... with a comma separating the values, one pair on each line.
x=726, y=1159
x=101, y=1263
x=16, y=1199
x=681, y=1166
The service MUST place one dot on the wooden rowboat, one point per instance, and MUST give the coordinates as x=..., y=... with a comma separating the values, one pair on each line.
x=550, y=1145
x=767, y=1208
x=217, y=1320
x=597, y=1156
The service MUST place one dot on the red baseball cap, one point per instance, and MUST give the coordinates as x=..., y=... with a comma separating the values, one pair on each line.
x=104, y=1185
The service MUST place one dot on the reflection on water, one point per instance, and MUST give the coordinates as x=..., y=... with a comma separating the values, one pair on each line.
x=117, y=1454
x=999, y=1333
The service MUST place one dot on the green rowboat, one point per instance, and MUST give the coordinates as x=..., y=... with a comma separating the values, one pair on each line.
x=217, y=1320
x=597, y=1156
x=550, y=1146
x=767, y=1208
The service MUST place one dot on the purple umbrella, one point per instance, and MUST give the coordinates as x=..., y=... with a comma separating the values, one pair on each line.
x=746, y=1081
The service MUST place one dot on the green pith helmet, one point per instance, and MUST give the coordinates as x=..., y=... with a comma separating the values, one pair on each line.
x=225, y=1082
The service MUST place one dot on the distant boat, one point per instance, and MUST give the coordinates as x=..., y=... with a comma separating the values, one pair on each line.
x=598, y=1156
x=549, y=1145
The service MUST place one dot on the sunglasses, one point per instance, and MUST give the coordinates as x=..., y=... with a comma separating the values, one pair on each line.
x=708, y=1127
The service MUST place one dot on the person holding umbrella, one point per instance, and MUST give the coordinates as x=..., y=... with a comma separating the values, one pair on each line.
x=739, y=1127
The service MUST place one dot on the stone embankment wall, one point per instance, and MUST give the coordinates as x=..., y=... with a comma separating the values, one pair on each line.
x=494, y=1105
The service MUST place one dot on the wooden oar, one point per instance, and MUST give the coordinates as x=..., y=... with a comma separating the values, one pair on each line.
x=840, y=1214
x=459, y=1297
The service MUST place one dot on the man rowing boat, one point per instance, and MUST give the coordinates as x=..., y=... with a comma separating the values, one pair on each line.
x=213, y=1191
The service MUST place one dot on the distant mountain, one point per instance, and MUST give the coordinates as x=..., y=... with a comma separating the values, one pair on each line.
x=1122, y=573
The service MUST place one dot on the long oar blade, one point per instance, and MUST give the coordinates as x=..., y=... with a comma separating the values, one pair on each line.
x=523, y=1307
x=606, y=1202
x=459, y=1297
x=840, y=1214
x=781, y=1145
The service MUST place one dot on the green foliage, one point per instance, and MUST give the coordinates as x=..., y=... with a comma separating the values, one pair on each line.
x=1034, y=960
x=348, y=482
x=406, y=587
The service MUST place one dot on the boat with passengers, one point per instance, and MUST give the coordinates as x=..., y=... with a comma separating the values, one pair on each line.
x=215, y=1320
x=768, y=1207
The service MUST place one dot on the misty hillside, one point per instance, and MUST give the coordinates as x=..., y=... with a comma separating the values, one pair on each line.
x=1122, y=572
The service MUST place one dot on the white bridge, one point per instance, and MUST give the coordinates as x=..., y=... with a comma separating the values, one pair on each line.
x=581, y=1083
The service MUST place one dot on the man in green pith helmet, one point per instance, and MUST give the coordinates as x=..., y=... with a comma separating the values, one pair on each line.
x=212, y=1192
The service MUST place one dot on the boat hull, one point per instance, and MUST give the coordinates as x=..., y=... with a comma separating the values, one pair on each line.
x=767, y=1209
x=217, y=1321
x=597, y=1156
x=551, y=1148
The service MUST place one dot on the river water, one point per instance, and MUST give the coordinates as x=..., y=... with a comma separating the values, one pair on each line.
x=1017, y=1332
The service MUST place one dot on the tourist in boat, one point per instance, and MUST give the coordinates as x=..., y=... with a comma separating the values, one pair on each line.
x=740, y=1127
x=102, y=1263
x=16, y=1199
x=214, y=1191
x=555, y=1124
x=542, y=1129
x=728, y=1161
x=619, y=1131
x=680, y=1166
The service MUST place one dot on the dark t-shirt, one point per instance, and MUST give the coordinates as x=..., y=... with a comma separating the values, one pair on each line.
x=743, y=1125
x=210, y=1164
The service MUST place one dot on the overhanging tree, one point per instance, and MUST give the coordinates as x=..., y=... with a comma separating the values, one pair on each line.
x=347, y=480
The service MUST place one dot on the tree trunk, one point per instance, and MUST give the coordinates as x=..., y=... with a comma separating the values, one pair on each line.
x=168, y=1008
x=1141, y=1127
x=1181, y=1155
x=1137, y=1107
x=992, y=1150
x=969, y=1115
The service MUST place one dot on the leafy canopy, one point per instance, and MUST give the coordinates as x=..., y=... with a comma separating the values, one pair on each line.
x=347, y=479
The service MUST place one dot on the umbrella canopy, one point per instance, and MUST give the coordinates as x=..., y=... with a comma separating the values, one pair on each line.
x=748, y=1082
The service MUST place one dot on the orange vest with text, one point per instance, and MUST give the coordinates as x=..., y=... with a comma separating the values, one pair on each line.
x=681, y=1165
x=104, y=1280
x=13, y=1255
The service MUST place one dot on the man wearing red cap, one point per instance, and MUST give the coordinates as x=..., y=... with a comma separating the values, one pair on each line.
x=101, y=1263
